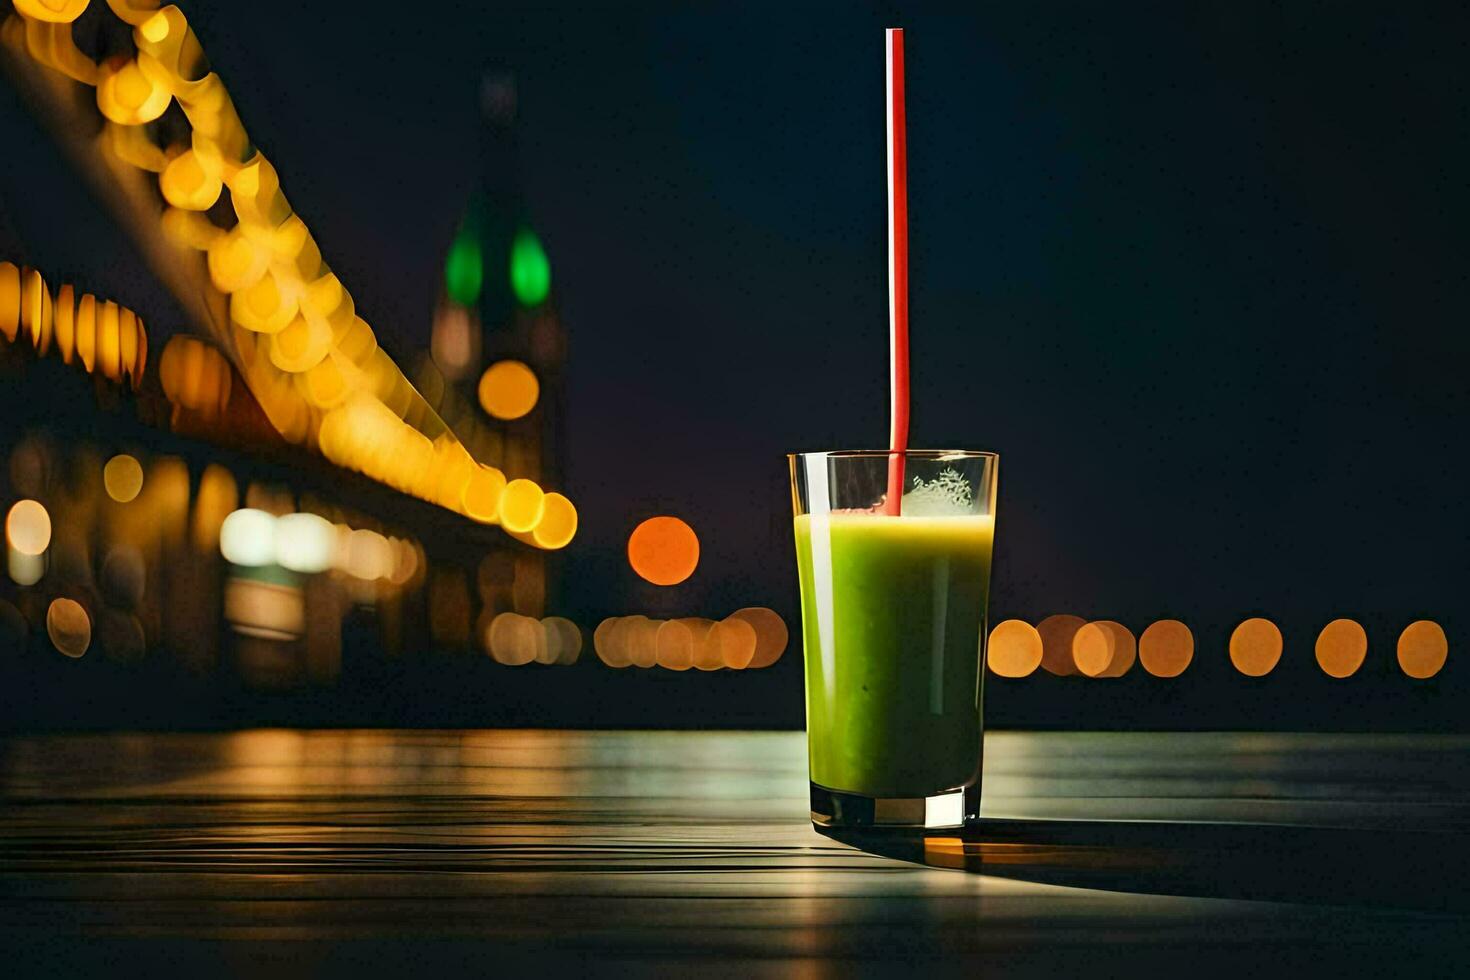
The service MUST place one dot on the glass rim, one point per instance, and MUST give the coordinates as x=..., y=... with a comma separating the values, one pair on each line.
x=938, y=455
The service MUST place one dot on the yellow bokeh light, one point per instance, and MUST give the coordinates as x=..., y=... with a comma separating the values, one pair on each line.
x=129, y=95
x=557, y=526
x=300, y=345
x=357, y=342
x=217, y=498
x=235, y=261
x=9, y=300
x=191, y=229
x=1423, y=649
x=1014, y=649
x=269, y=268
x=64, y=323
x=35, y=309
x=508, y=390
x=266, y=307
x=109, y=343
x=482, y=494
x=324, y=385
x=663, y=550
x=129, y=329
x=1255, y=647
x=1341, y=647
x=191, y=181
x=521, y=505
x=1166, y=648
x=123, y=478
x=53, y=11
x=86, y=331
x=28, y=527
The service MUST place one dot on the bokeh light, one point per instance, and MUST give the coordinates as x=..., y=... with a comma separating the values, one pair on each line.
x=464, y=269
x=530, y=271
x=663, y=550
x=674, y=645
x=1423, y=649
x=248, y=537
x=304, y=543
x=1255, y=647
x=557, y=526
x=1341, y=647
x=369, y=556
x=563, y=639
x=69, y=627
x=454, y=344
x=678, y=644
x=1057, y=633
x=514, y=640
x=218, y=496
x=608, y=644
x=123, y=478
x=52, y=11
x=1014, y=649
x=482, y=494
x=1104, y=648
x=24, y=569
x=771, y=635
x=730, y=643
x=641, y=635
x=508, y=390
x=1166, y=648
x=521, y=505
x=28, y=527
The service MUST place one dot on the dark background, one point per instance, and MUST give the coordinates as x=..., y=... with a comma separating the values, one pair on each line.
x=1198, y=275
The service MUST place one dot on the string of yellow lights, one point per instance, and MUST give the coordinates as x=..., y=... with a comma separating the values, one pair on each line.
x=97, y=334
x=313, y=364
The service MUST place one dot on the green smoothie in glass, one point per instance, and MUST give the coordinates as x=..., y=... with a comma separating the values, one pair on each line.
x=893, y=625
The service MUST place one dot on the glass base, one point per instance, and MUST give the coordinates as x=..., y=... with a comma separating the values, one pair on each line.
x=952, y=808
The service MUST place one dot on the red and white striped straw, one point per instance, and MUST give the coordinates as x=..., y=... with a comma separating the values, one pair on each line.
x=898, y=273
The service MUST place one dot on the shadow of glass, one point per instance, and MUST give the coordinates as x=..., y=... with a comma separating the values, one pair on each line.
x=1339, y=866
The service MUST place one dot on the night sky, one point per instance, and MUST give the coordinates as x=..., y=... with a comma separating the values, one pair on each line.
x=1199, y=277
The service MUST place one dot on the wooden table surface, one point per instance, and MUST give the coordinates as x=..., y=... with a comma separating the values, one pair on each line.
x=287, y=853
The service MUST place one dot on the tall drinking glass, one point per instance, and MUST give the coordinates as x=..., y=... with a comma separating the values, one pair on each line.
x=893, y=623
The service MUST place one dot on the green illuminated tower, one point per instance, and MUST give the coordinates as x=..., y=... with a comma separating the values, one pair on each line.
x=498, y=302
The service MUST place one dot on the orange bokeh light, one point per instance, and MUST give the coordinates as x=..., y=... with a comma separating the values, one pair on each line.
x=771, y=635
x=1014, y=649
x=663, y=550
x=1341, y=647
x=1104, y=648
x=1166, y=648
x=1423, y=649
x=1255, y=647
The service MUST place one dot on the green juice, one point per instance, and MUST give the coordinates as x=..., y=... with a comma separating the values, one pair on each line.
x=893, y=616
